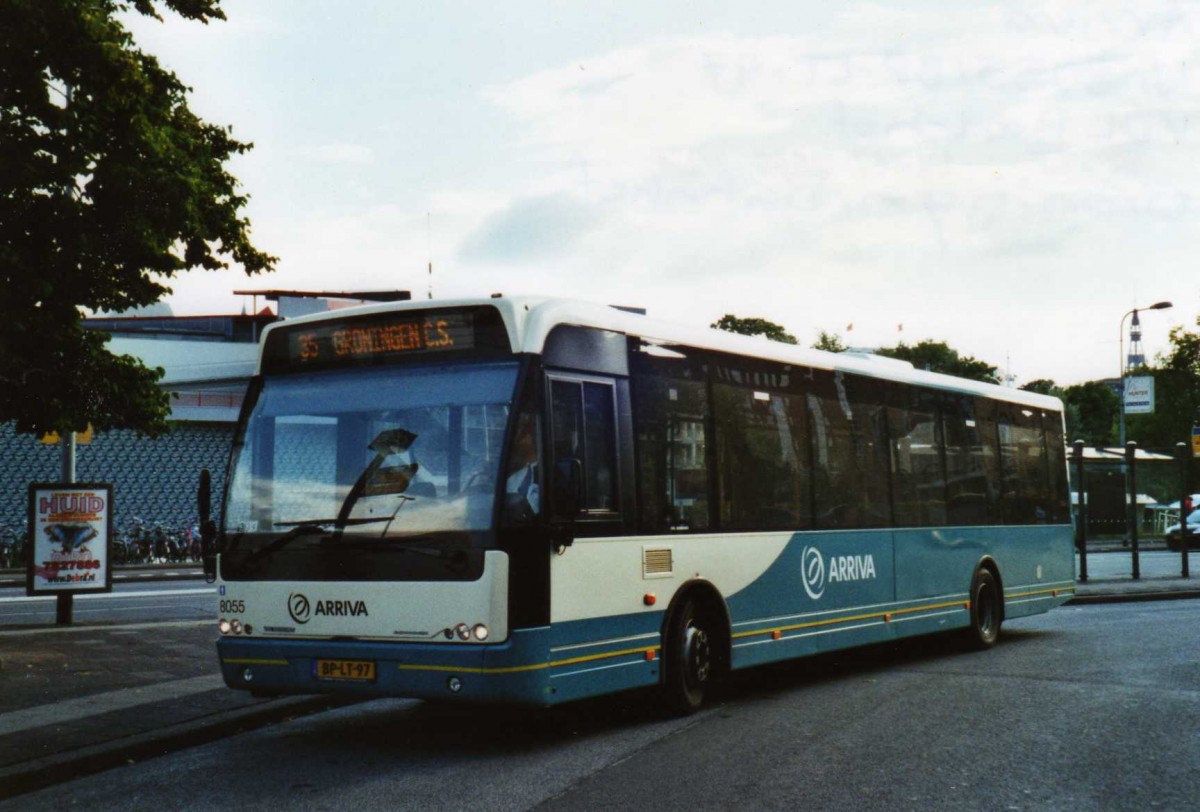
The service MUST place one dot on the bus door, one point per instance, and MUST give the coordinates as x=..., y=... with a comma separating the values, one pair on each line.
x=591, y=494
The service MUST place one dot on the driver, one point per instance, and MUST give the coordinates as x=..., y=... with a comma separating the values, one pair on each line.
x=522, y=484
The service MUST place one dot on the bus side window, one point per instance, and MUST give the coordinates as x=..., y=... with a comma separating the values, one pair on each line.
x=670, y=418
x=919, y=477
x=1027, y=493
x=583, y=429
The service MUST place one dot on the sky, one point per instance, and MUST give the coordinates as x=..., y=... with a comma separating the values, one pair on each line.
x=1010, y=178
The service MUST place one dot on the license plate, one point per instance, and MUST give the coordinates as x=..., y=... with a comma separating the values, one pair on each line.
x=353, y=670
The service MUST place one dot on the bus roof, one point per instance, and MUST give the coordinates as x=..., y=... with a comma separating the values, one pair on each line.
x=530, y=319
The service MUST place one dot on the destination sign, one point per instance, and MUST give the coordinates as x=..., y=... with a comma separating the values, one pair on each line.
x=384, y=338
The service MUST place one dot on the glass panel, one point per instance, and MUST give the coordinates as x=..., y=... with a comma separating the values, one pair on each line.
x=670, y=409
x=761, y=459
x=566, y=424
x=523, y=479
x=600, y=478
x=1056, y=454
x=378, y=453
x=967, y=485
x=1026, y=498
x=918, y=481
x=850, y=452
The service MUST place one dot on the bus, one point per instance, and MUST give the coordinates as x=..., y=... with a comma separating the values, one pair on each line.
x=535, y=500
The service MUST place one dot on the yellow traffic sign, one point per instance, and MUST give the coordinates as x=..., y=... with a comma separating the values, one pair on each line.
x=80, y=436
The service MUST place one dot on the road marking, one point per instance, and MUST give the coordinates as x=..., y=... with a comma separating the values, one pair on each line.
x=149, y=593
x=72, y=710
x=117, y=627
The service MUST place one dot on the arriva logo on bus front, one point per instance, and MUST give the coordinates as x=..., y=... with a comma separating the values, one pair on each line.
x=301, y=609
x=816, y=574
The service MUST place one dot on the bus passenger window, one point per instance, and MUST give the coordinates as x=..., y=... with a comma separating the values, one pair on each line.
x=670, y=414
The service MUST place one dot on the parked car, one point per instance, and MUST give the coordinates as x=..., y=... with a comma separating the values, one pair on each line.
x=1174, y=540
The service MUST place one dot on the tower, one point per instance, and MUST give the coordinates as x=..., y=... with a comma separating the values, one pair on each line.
x=1135, y=357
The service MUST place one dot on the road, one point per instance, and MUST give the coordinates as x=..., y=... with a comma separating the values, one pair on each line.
x=128, y=602
x=1088, y=707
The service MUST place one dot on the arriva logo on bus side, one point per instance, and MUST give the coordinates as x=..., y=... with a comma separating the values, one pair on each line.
x=816, y=575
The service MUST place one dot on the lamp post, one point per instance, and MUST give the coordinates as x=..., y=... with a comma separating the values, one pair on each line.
x=1121, y=357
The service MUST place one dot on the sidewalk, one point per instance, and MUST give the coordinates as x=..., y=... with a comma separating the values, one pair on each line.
x=81, y=699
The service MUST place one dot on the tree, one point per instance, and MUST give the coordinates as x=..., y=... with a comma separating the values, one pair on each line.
x=1176, y=395
x=938, y=356
x=1043, y=386
x=829, y=342
x=109, y=186
x=754, y=327
x=1071, y=413
x=1097, y=406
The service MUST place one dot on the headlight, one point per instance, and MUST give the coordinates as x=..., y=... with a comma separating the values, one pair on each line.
x=480, y=631
x=223, y=626
x=463, y=631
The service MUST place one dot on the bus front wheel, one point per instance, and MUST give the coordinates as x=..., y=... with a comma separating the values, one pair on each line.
x=987, y=610
x=689, y=658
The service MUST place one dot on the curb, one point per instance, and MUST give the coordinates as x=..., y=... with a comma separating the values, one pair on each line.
x=1135, y=597
x=22, y=778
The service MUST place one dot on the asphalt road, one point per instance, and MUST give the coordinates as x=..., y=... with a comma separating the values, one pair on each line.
x=1089, y=707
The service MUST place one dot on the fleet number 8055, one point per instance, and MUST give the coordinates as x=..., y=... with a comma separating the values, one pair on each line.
x=232, y=606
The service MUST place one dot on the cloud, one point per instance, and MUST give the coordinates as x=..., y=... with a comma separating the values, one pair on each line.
x=337, y=154
x=536, y=228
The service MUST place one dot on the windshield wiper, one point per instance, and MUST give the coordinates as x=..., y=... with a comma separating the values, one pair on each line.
x=306, y=527
x=456, y=556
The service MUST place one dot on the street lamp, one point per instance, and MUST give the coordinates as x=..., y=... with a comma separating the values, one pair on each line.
x=1121, y=356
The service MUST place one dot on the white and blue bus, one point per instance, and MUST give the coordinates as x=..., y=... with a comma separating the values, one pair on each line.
x=532, y=500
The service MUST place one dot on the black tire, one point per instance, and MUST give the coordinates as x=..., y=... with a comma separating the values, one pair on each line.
x=689, y=658
x=987, y=610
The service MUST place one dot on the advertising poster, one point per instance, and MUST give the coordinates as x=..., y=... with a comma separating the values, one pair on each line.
x=71, y=526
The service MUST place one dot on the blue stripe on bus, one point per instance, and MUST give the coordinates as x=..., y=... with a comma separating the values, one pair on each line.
x=863, y=597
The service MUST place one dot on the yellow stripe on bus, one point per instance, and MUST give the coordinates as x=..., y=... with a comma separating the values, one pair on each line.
x=517, y=669
x=514, y=669
x=885, y=616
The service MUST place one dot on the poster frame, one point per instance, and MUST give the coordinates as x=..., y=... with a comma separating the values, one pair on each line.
x=39, y=550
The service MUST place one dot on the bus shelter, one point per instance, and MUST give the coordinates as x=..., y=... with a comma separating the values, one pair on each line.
x=1127, y=493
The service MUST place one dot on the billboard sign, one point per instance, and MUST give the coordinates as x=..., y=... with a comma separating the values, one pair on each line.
x=1139, y=395
x=71, y=534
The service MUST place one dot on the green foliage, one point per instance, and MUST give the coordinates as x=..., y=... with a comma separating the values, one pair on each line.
x=1097, y=407
x=1071, y=414
x=829, y=342
x=1043, y=386
x=1176, y=395
x=938, y=356
x=754, y=327
x=109, y=186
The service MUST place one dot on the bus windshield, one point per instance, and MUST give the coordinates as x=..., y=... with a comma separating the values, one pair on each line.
x=381, y=456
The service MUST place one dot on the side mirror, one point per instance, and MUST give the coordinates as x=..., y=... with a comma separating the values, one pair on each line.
x=208, y=529
x=568, y=488
x=568, y=501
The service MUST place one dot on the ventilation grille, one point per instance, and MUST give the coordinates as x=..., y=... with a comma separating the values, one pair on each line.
x=657, y=561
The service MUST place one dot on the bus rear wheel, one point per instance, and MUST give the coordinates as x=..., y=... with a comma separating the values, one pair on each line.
x=689, y=655
x=987, y=610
